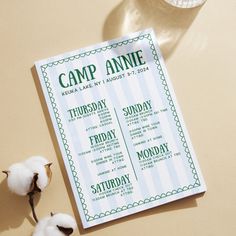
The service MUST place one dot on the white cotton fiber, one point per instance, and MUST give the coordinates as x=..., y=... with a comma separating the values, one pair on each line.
x=38, y=159
x=19, y=179
x=20, y=175
x=41, y=225
x=63, y=220
x=49, y=225
x=39, y=168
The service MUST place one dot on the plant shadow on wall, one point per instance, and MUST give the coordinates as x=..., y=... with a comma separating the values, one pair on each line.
x=169, y=23
x=14, y=209
x=55, y=143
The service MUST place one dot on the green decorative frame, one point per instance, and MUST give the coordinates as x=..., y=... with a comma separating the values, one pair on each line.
x=66, y=145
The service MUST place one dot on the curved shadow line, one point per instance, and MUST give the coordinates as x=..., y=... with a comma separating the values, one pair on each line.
x=170, y=23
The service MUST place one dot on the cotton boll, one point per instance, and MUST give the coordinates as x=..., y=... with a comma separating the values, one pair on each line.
x=19, y=179
x=32, y=175
x=57, y=225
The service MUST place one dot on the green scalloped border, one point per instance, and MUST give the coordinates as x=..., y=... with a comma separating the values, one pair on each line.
x=66, y=145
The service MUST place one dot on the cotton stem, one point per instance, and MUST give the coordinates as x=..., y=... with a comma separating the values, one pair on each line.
x=31, y=202
x=34, y=189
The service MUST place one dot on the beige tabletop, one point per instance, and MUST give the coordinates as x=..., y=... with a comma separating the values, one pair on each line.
x=199, y=49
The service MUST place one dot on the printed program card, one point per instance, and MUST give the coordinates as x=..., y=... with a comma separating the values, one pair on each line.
x=119, y=127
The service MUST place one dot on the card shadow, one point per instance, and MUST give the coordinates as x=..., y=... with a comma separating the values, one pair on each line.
x=169, y=23
x=14, y=209
x=188, y=202
x=55, y=143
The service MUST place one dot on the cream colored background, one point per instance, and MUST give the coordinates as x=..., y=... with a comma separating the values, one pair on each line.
x=199, y=48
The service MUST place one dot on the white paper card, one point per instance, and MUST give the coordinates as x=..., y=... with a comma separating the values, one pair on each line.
x=119, y=127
